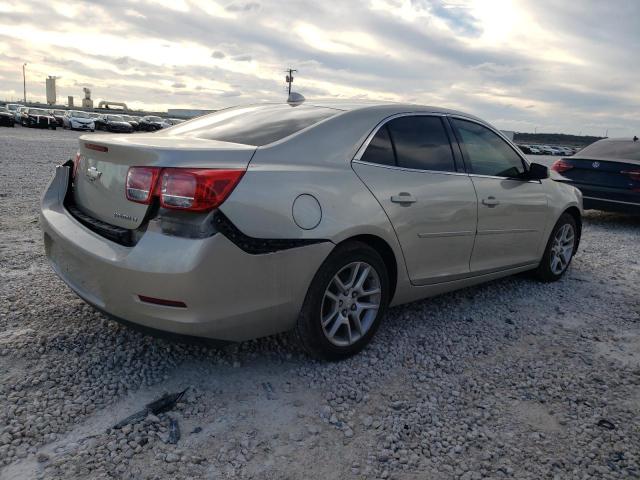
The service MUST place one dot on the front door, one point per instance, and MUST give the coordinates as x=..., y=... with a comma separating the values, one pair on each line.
x=410, y=168
x=512, y=211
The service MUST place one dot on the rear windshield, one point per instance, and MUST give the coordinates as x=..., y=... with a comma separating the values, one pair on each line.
x=253, y=125
x=622, y=149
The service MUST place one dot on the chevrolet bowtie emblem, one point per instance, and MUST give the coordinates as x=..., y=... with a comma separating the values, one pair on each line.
x=93, y=174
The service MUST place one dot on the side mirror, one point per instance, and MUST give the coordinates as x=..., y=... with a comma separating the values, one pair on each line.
x=537, y=172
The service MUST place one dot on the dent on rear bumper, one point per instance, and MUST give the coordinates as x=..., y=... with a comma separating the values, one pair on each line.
x=230, y=294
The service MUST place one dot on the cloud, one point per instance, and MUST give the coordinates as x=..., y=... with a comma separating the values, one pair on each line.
x=513, y=63
x=242, y=7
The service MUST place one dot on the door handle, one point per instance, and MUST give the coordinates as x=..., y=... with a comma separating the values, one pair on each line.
x=403, y=197
x=490, y=202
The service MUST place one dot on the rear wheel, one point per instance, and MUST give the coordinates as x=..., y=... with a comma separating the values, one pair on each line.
x=345, y=302
x=560, y=249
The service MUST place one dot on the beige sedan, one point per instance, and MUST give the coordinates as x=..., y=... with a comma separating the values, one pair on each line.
x=316, y=217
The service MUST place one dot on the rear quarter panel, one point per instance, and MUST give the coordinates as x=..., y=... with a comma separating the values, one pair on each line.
x=316, y=162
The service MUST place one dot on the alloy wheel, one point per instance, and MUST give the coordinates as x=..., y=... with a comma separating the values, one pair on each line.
x=351, y=303
x=562, y=248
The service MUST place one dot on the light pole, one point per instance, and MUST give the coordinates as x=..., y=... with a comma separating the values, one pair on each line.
x=24, y=83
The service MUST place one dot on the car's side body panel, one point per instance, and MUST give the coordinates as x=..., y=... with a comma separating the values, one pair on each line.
x=436, y=231
x=509, y=232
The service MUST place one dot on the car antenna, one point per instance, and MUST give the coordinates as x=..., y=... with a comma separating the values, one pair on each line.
x=294, y=98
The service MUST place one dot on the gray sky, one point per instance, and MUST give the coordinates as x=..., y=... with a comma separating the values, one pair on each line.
x=558, y=66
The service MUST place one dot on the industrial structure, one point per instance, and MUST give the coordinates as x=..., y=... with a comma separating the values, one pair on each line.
x=51, y=90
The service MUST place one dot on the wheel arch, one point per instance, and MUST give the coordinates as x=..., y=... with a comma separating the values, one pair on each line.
x=575, y=213
x=386, y=252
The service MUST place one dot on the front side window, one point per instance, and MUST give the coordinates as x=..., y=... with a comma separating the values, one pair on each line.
x=417, y=142
x=487, y=153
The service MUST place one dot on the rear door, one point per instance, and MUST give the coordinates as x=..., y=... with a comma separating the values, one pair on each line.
x=410, y=167
x=512, y=211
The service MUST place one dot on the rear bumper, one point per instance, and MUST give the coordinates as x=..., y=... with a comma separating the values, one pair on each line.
x=229, y=294
x=595, y=203
x=608, y=199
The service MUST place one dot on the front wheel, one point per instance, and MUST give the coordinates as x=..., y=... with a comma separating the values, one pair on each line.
x=560, y=249
x=345, y=302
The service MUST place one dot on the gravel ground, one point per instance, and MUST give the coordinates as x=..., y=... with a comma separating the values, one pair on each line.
x=512, y=379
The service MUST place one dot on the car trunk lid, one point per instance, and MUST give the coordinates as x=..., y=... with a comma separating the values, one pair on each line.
x=100, y=179
x=601, y=172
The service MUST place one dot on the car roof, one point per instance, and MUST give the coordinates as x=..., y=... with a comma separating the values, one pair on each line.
x=389, y=108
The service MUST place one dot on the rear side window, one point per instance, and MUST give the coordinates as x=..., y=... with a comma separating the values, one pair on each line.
x=487, y=153
x=380, y=149
x=616, y=149
x=254, y=125
x=418, y=142
x=421, y=143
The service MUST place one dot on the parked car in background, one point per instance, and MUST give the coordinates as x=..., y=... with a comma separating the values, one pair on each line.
x=346, y=209
x=13, y=108
x=78, y=120
x=58, y=115
x=607, y=172
x=565, y=151
x=6, y=118
x=173, y=121
x=151, y=123
x=115, y=124
x=526, y=149
x=37, y=118
x=131, y=121
x=549, y=150
x=19, y=112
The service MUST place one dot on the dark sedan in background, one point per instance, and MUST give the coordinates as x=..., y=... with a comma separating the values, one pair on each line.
x=607, y=172
x=6, y=118
x=37, y=118
x=151, y=123
x=58, y=115
x=131, y=121
x=114, y=123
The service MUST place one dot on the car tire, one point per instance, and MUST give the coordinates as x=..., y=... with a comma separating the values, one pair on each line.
x=560, y=249
x=340, y=264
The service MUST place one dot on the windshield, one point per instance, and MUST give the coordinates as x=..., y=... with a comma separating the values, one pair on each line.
x=80, y=115
x=37, y=111
x=154, y=119
x=622, y=149
x=115, y=118
x=253, y=125
x=59, y=112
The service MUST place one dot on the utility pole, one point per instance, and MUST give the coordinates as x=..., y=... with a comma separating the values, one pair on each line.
x=24, y=83
x=289, y=79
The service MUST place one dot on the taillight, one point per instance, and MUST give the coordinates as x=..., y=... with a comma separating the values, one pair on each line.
x=76, y=164
x=96, y=147
x=192, y=189
x=141, y=182
x=561, y=166
x=196, y=189
x=633, y=174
